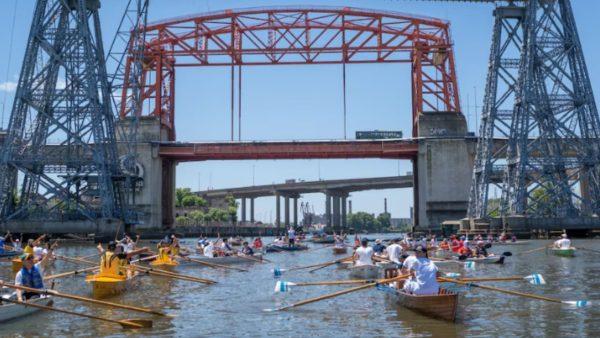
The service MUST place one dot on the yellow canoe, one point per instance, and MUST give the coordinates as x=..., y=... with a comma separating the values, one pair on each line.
x=107, y=286
x=169, y=263
x=17, y=264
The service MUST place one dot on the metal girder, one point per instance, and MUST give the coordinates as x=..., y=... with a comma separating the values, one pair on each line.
x=496, y=116
x=62, y=99
x=298, y=35
x=552, y=166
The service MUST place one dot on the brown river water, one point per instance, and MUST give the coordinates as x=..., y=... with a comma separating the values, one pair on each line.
x=234, y=306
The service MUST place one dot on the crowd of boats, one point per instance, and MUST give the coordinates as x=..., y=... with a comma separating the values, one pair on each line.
x=406, y=268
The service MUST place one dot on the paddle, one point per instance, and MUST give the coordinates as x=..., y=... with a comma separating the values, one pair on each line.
x=323, y=247
x=535, y=279
x=578, y=303
x=324, y=265
x=338, y=293
x=75, y=272
x=533, y=250
x=251, y=258
x=164, y=273
x=212, y=265
x=125, y=323
x=84, y=299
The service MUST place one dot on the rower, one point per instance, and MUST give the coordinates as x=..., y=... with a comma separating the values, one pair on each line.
x=364, y=254
x=423, y=275
x=480, y=250
x=465, y=251
x=246, y=249
x=378, y=247
x=113, y=259
x=258, y=244
x=31, y=275
x=563, y=242
x=444, y=245
x=291, y=236
x=226, y=247
x=455, y=244
x=339, y=241
x=394, y=251
x=209, y=249
x=175, y=247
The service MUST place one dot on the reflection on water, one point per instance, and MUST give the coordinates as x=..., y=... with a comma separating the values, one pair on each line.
x=233, y=307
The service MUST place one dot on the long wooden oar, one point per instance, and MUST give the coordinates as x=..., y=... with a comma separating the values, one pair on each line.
x=338, y=293
x=250, y=258
x=212, y=265
x=517, y=293
x=126, y=323
x=70, y=273
x=324, y=265
x=533, y=250
x=323, y=247
x=84, y=299
x=159, y=272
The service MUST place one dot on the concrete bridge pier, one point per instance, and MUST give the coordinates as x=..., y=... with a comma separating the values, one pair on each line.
x=252, y=210
x=443, y=169
x=243, y=211
x=278, y=213
x=328, y=209
x=295, y=211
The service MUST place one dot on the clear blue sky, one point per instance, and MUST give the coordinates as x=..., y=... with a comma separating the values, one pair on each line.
x=304, y=102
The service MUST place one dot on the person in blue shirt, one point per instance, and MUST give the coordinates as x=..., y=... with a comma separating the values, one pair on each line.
x=378, y=247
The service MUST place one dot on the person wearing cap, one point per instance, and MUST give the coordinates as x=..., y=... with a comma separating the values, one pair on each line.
x=378, y=247
x=31, y=274
x=563, y=242
x=424, y=273
x=113, y=259
x=364, y=254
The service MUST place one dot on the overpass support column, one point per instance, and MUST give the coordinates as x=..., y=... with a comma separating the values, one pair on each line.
x=295, y=212
x=287, y=211
x=336, y=213
x=344, y=215
x=442, y=170
x=252, y=210
x=277, y=213
x=327, y=210
x=243, y=210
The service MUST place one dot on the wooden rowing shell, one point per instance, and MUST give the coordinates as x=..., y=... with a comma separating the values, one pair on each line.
x=105, y=286
x=10, y=311
x=340, y=250
x=486, y=260
x=570, y=252
x=441, y=306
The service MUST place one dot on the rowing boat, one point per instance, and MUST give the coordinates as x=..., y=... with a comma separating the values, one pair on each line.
x=279, y=248
x=9, y=311
x=486, y=260
x=107, y=286
x=9, y=254
x=257, y=257
x=364, y=271
x=327, y=239
x=442, y=306
x=570, y=252
x=338, y=250
x=164, y=263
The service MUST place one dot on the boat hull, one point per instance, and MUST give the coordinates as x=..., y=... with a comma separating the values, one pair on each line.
x=279, y=248
x=441, y=306
x=168, y=264
x=564, y=252
x=104, y=287
x=487, y=260
x=10, y=311
x=340, y=251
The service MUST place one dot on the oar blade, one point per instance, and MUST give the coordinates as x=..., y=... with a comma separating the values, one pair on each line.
x=507, y=253
x=470, y=265
x=277, y=272
x=136, y=323
x=536, y=279
x=578, y=303
x=281, y=286
x=452, y=274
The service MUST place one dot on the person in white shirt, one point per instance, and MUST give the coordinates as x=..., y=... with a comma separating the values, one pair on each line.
x=364, y=254
x=208, y=249
x=563, y=243
x=394, y=251
x=291, y=236
x=424, y=275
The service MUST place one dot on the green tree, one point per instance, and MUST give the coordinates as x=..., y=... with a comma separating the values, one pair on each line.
x=363, y=221
x=197, y=216
x=182, y=220
x=385, y=220
x=193, y=201
x=180, y=193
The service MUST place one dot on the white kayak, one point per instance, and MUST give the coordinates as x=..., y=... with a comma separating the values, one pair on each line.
x=257, y=257
x=9, y=311
x=364, y=271
x=487, y=260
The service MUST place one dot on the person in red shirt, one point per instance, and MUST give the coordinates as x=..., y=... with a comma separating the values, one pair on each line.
x=455, y=244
